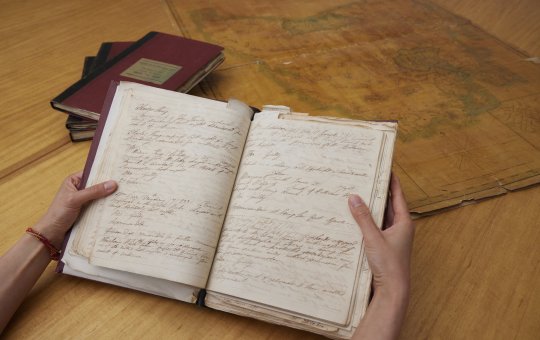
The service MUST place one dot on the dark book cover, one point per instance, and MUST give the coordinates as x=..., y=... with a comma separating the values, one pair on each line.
x=158, y=59
x=79, y=128
x=109, y=96
x=109, y=50
x=87, y=66
x=82, y=129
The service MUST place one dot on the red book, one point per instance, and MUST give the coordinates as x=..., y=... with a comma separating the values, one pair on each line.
x=82, y=129
x=109, y=50
x=158, y=59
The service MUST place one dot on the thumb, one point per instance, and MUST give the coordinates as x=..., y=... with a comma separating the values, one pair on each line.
x=362, y=216
x=94, y=192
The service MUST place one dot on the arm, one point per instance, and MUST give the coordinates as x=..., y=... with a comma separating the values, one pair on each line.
x=388, y=253
x=23, y=263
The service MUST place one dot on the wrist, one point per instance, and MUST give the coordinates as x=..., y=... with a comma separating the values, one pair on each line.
x=54, y=252
x=385, y=313
x=55, y=238
x=396, y=295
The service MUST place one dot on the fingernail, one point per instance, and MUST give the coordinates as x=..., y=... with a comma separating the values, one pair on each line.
x=109, y=185
x=355, y=201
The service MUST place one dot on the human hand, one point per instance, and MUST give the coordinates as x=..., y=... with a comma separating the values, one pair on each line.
x=67, y=205
x=388, y=251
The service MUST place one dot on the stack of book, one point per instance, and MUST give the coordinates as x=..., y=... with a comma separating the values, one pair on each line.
x=157, y=59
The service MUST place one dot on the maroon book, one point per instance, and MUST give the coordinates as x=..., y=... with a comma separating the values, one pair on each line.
x=82, y=129
x=158, y=59
x=109, y=96
x=109, y=50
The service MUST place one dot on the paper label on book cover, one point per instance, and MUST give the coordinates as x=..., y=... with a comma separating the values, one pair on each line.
x=152, y=71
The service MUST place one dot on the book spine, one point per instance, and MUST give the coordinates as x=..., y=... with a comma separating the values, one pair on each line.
x=91, y=155
x=87, y=66
x=103, y=54
x=200, y=298
x=99, y=70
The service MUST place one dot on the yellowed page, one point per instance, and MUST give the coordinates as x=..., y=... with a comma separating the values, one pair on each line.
x=175, y=158
x=289, y=240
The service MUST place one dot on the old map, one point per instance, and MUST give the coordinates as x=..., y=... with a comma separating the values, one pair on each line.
x=468, y=105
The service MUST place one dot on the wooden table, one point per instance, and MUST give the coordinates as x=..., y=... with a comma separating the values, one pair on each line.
x=476, y=269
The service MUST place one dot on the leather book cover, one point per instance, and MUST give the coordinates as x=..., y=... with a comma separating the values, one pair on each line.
x=87, y=66
x=158, y=59
x=109, y=50
x=78, y=126
x=109, y=96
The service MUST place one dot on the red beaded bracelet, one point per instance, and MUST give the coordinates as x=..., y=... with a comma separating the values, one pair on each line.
x=54, y=253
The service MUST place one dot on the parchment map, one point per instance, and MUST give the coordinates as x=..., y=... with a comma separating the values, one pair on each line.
x=468, y=105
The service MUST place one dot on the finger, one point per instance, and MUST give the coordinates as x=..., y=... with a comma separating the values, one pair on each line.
x=399, y=204
x=362, y=216
x=94, y=192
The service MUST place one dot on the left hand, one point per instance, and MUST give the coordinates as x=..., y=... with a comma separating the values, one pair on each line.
x=67, y=205
x=388, y=251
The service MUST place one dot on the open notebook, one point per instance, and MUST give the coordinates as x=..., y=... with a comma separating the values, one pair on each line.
x=241, y=212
